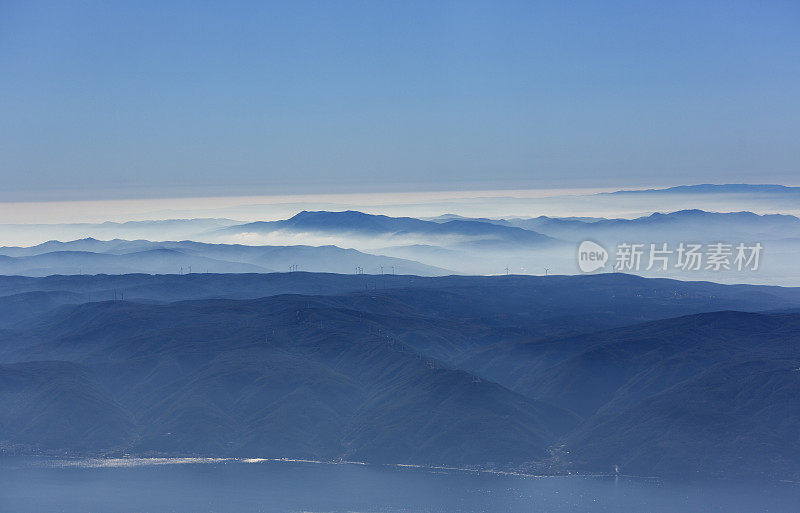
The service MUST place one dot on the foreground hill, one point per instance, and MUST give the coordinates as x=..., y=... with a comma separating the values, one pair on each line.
x=543, y=305
x=715, y=397
x=549, y=374
x=259, y=378
x=708, y=393
x=735, y=419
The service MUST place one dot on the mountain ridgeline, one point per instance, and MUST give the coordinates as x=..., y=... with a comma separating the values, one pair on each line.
x=357, y=242
x=547, y=374
x=141, y=256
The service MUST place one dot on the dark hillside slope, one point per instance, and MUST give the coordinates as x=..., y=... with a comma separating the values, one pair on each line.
x=627, y=364
x=263, y=378
x=47, y=405
x=18, y=308
x=563, y=304
x=711, y=393
x=453, y=370
x=737, y=419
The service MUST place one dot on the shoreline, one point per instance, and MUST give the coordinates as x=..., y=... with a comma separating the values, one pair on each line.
x=131, y=462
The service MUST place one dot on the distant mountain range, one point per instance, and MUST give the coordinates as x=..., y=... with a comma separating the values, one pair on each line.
x=443, y=245
x=541, y=374
x=140, y=256
x=687, y=225
x=462, y=233
x=734, y=188
x=157, y=229
x=541, y=232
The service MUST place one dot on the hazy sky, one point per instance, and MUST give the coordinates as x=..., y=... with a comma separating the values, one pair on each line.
x=127, y=99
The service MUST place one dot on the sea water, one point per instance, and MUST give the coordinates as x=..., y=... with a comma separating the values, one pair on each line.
x=243, y=486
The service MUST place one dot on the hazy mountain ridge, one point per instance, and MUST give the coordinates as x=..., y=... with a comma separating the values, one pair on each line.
x=529, y=246
x=691, y=224
x=155, y=229
x=445, y=245
x=141, y=256
x=734, y=188
x=361, y=224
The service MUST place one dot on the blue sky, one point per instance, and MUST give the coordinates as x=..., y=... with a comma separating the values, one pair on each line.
x=127, y=99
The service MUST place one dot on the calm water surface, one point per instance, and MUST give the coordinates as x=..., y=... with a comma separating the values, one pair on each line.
x=28, y=486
